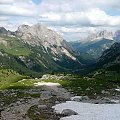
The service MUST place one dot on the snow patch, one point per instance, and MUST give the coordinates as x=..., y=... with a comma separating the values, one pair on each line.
x=76, y=97
x=117, y=89
x=56, y=59
x=88, y=111
x=42, y=63
x=46, y=84
x=68, y=54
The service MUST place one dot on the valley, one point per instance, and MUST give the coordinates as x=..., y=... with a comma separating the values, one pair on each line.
x=40, y=70
x=59, y=59
x=26, y=98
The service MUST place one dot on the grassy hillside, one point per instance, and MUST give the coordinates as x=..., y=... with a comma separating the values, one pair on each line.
x=92, y=86
x=8, y=76
x=14, y=46
x=30, y=60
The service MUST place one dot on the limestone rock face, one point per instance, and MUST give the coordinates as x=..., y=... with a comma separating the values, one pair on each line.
x=100, y=35
x=117, y=35
x=95, y=43
x=3, y=30
x=39, y=34
x=110, y=58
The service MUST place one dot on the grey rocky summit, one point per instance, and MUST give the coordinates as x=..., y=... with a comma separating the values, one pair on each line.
x=39, y=34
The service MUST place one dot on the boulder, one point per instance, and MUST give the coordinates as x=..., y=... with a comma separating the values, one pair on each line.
x=42, y=107
x=77, y=98
x=80, y=98
x=68, y=112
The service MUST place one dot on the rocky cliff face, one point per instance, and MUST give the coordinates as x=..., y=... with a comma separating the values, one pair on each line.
x=100, y=35
x=37, y=49
x=96, y=43
x=3, y=30
x=117, y=35
x=111, y=58
x=38, y=34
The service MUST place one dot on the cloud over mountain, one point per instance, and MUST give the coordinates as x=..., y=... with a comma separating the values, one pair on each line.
x=74, y=15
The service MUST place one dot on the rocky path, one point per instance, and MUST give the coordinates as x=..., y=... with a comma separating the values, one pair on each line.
x=38, y=101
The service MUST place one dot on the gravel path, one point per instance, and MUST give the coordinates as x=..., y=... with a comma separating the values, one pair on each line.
x=49, y=96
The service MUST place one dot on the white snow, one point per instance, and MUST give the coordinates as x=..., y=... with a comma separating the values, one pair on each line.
x=88, y=111
x=42, y=63
x=56, y=59
x=68, y=54
x=79, y=97
x=117, y=89
x=50, y=84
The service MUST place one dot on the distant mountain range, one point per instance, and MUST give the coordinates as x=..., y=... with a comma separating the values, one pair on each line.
x=37, y=49
x=110, y=58
x=95, y=44
x=34, y=50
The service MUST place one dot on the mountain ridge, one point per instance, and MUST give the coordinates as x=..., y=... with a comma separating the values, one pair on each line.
x=96, y=43
x=38, y=49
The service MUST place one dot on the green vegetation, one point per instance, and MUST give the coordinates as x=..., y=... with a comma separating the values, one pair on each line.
x=110, y=76
x=85, y=86
x=91, y=86
x=14, y=46
x=34, y=116
x=8, y=77
x=23, y=84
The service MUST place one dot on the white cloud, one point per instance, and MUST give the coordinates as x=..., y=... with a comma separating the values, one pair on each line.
x=106, y=4
x=88, y=18
x=72, y=18
x=19, y=8
x=3, y=18
x=6, y=1
x=77, y=5
x=13, y=24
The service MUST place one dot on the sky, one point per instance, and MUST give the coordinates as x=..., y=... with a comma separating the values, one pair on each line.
x=73, y=19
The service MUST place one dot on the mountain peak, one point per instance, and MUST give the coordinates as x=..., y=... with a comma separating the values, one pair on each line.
x=39, y=34
x=105, y=34
x=3, y=30
x=117, y=35
x=100, y=35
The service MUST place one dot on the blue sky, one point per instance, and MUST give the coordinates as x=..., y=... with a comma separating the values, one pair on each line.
x=73, y=19
x=37, y=1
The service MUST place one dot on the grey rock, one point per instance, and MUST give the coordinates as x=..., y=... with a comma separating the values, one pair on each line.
x=85, y=98
x=77, y=99
x=1, y=109
x=39, y=34
x=68, y=112
x=57, y=102
x=42, y=107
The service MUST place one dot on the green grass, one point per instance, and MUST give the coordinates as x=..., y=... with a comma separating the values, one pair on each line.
x=91, y=86
x=85, y=86
x=110, y=76
x=23, y=84
x=15, y=47
x=8, y=77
